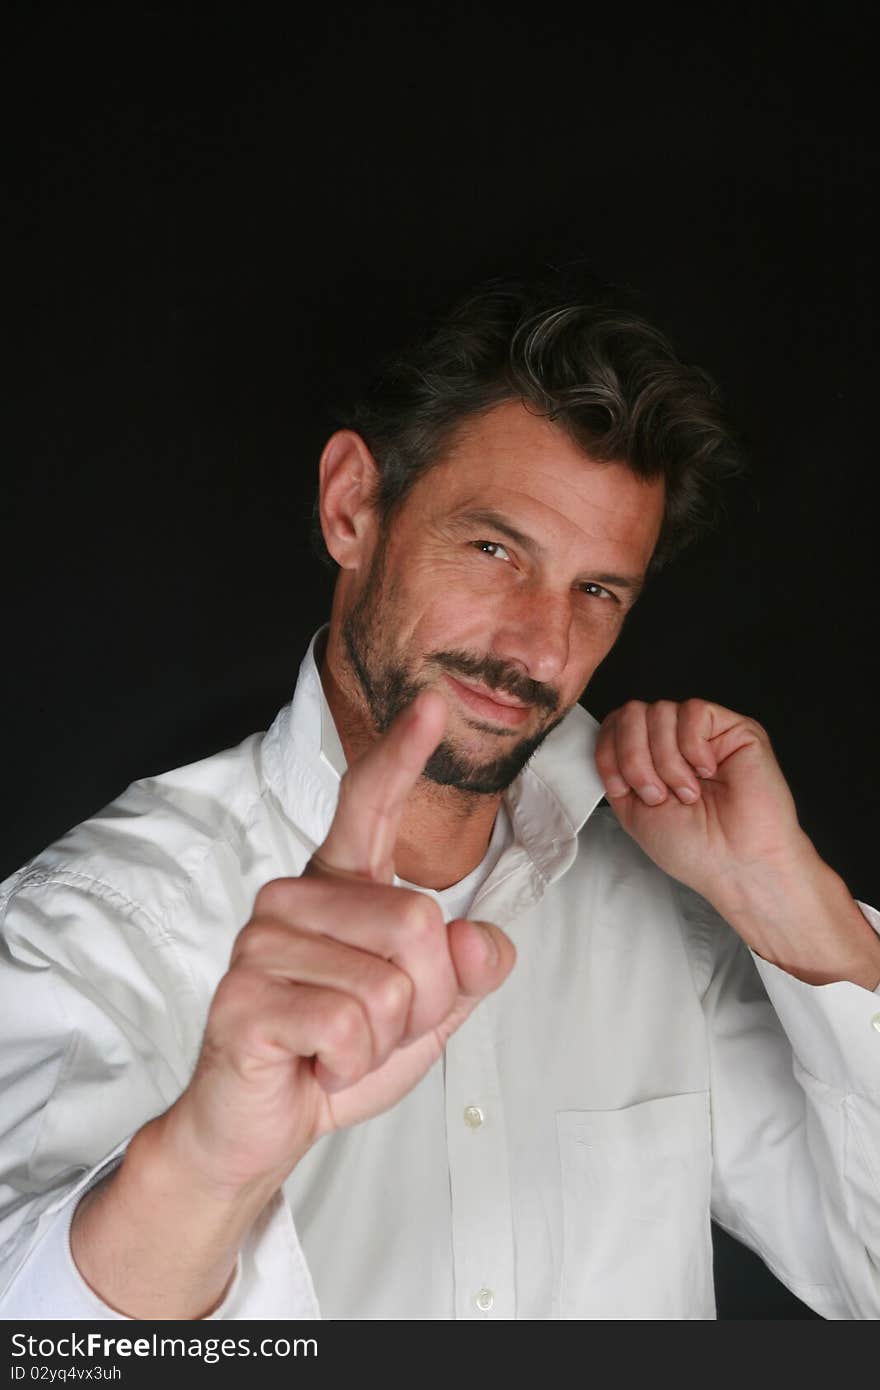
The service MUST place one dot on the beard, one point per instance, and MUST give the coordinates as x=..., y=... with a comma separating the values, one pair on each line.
x=389, y=686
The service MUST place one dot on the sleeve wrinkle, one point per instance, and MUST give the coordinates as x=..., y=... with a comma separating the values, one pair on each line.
x=140, y=917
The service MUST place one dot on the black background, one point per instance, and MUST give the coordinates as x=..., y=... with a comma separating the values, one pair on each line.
x=223, y=218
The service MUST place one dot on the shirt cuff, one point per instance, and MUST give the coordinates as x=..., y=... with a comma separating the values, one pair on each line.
x=271, y=1278
x=834, y=1029
x=48, y=1285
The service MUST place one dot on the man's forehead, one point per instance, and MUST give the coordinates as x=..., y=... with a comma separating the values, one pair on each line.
x=512, y=440
x=510, y=460
x=507, y=425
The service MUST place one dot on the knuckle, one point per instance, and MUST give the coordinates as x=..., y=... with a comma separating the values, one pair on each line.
x=256, y=939
x=634, y=760
x=693, y=751
x=391, y=994
x=345, y=1025
x=633, y=709
x=275, y=897
x=633, y=771
x=694, y=706
x=420, y=916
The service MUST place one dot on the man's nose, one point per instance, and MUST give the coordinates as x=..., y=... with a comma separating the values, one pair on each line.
x=535, y=633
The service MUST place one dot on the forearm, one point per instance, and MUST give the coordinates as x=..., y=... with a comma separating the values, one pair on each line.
x=153, y=1242
x=801, y=917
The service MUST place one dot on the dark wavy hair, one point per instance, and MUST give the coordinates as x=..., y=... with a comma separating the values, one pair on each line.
x=603, y=373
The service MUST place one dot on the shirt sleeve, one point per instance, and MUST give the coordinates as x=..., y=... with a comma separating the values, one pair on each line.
x=795, y=1093
x=98, y=1039
x=48, y=1286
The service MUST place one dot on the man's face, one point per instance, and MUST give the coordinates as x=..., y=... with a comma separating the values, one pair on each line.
x=502, y=581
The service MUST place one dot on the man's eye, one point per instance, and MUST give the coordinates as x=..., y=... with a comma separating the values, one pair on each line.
x=597, y=591
x=494, y=548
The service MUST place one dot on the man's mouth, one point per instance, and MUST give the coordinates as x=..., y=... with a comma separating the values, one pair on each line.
x=494, y=706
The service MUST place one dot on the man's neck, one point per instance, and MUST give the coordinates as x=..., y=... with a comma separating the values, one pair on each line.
x=445, y=832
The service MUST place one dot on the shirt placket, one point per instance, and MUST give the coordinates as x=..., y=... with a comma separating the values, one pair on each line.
x=482, y=1216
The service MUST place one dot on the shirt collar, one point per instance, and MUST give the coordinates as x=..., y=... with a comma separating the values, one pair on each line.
x=331, y=748
x=548, y=803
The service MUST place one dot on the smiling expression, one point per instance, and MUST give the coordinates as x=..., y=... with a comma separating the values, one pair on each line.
x=502, y=579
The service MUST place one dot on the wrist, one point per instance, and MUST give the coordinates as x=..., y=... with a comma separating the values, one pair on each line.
x=756, y=889
x=154, y=1240
x=167, y=1157
x=796, y=913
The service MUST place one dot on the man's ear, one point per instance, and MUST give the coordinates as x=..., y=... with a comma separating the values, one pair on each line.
x=347, y=480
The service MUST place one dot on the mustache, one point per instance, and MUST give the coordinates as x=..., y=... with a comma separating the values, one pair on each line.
x=497, y=675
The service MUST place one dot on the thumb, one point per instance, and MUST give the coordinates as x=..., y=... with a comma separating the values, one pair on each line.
x=482, y=955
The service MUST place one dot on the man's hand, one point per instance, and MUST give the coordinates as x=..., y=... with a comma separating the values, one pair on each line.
x=342, y=989
x=698, y=787
x=341, y=992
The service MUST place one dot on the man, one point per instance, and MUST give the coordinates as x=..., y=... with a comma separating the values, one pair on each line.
x=445, y=1038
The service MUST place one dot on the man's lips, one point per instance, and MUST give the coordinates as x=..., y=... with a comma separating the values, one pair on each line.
x=499, y=707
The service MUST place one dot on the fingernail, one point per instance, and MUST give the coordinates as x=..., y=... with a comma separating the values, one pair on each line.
x=615, y=786
x=652, y=795
x=704, y=772
x=686, y=794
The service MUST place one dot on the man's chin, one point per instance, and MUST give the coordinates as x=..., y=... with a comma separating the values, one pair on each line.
x=449, y=766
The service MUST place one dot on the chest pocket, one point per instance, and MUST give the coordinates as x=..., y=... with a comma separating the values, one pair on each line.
x=636, y=1185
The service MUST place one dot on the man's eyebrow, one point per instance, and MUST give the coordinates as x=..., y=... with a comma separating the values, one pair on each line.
x=485, y=516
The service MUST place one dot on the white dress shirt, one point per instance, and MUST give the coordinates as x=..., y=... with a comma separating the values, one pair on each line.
x=639, y=1070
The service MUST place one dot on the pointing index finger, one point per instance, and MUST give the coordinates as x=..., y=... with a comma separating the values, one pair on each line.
x=373, y=793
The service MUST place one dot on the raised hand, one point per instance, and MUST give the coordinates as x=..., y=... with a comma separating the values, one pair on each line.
x=342, y=989
x=699, y=788
x=341, y=992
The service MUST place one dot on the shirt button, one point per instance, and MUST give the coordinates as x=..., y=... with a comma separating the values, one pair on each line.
x=484, y=1300
x=473, y=1115
x=875, y=1020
